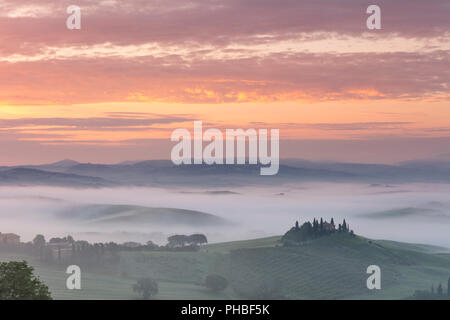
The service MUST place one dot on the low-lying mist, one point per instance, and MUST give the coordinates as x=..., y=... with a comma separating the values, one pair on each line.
x=407, y=212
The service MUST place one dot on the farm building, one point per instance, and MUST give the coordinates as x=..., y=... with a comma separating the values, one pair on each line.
x=9, y=238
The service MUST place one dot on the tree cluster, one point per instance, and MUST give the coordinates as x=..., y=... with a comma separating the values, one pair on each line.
x=433, y=294
x=316, y=229
x=68, y=249
x=183, y=240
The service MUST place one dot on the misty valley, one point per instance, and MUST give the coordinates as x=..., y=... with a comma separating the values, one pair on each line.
x=232, y=150
x=226, y=238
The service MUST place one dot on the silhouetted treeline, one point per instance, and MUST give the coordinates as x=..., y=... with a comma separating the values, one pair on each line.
x=436, y=293
x=316, y=229
x=67, y=249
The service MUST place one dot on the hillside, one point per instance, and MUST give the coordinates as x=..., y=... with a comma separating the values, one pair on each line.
x=139, y=215
x=331, y=267
x=334, y=267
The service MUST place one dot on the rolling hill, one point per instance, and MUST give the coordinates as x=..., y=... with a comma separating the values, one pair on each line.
x=332, y=267
x=409, y=212
x=327, y=268
x=104, y=214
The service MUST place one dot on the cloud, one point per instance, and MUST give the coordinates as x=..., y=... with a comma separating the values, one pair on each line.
x=277, y=77
x=33, y=24
x=82, y=130
x=91, y=123
x=222, y=51
x=350, y=126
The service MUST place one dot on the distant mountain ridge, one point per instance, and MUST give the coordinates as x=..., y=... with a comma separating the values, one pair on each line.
x=163, y=173
x=31, y=177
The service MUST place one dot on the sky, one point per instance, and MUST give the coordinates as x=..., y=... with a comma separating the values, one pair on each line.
x=138, y=69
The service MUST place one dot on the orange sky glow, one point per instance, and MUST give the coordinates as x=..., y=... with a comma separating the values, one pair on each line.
x=139, y=69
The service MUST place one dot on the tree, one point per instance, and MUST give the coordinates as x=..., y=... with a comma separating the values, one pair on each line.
x=151, y=245
x=177, y=240
x=17, y=282
x=315, y=225
x=70, y=239
x=146, y=287
x=198, y=239
x=297, y=235
x=448, y=287
x=296, y=225
x=332, y=221
x=439, y=289
x=39, y=240
x=216, y=282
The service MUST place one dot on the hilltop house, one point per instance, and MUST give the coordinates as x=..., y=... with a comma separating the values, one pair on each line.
x=328, y=227
x=9, y=238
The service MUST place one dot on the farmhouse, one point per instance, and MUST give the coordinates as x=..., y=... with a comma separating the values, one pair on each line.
x=60, y=250
x=328, y=227
x=9, y=238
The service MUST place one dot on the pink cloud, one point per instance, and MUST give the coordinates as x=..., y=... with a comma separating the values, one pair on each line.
x=211, y=22
x=272, y=78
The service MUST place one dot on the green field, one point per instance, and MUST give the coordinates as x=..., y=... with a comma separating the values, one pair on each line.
x=332, y=267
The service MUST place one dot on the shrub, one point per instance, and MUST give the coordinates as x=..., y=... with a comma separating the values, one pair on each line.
x=146, y=287
x=216, y=282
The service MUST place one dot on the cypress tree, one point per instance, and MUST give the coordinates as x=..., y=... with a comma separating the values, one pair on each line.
x=448, y=287
x=314, y=225
x=73, y=250
x=439, y=289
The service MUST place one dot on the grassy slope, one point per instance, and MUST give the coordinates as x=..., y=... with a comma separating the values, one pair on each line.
x=95, y=283
x=414, y=246
x=328, y=268
x=335, y=268
x=226, y=247
x=116, y=283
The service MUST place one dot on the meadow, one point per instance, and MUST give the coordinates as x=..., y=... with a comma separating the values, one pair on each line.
x=332, y=267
